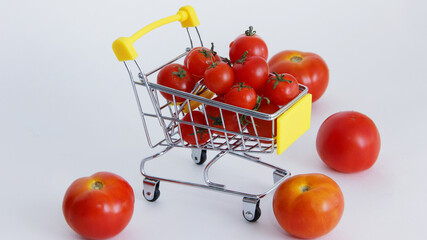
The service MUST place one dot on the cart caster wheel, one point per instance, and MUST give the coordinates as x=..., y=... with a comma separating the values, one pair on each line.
x=151, y=190
x=251, y=210
x=154, y=198
x=199, y=156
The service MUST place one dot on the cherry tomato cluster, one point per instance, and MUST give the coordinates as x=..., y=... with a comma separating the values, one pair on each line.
x=243, y=80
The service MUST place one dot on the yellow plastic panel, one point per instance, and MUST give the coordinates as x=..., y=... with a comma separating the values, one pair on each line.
x=293, y=123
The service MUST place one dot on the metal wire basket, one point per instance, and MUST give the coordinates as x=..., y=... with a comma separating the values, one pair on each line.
x=289, y=122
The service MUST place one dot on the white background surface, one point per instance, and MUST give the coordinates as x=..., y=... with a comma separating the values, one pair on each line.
x=68, y=111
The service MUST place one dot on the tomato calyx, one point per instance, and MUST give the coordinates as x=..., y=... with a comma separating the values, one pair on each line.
x=244, y=120
x=97, y=185
x=226, y=60
x=217, y=121
x=200, y=131
x=207, y=53
x=296, y=59
x=305, y=188
x=241, y=85
x=278, y=78
x=181, y=72
x=212, y=64
x=212, y=49
x=243, y=58
x=250, y=32
x=259, y=100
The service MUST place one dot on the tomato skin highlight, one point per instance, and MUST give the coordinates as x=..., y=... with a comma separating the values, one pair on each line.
x=168, y=76
x=308, y=68
x=99, y=213
x=348, y=142
x=308, y=205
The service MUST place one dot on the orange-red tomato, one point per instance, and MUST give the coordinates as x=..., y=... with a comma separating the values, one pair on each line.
x=99, y=206
x=308, y=205
x=308, y=68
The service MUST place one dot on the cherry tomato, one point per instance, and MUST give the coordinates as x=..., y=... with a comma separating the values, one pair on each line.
x=99, y=206
x=231, y=122
x=348, y=142
x=281, y=88
x=264, y=128
x=308, y=68
x=219, y=77
x=249, y=41
x=253, y=71
x=198, y=60
x=175, y=76
x=241, y=95
x=187, y=130
x=308, y=205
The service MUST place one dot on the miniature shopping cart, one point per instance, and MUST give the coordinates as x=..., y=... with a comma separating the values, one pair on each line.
x=290, y=122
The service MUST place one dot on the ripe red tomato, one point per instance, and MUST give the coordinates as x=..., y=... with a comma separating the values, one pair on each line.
x=249, y=41
x=348, y=142
x=281, y=88
x=99, y=206
x=252, y=71
x=231, y=122
x=187, y=130
x=308, y=205
x=308, y=68
x=219, y=77
x=264, y=128
x=198, y=60
x=241, y=95
x=175, y=76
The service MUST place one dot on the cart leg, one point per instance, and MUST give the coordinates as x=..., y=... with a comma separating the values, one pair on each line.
x=251, y=209
x=278, y=175
x=151, y=190
x=198, y=155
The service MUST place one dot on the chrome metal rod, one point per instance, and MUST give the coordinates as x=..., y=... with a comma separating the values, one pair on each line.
x=206, y=171
x=138, y=102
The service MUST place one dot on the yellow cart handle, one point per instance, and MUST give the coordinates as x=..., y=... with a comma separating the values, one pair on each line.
x=123, y=46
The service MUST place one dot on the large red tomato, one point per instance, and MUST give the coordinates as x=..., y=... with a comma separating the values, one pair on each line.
x=249, y=41
x=348, y=142
x=99, y=206
x=177, y=77
x=308, y=68
x=308, y=205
